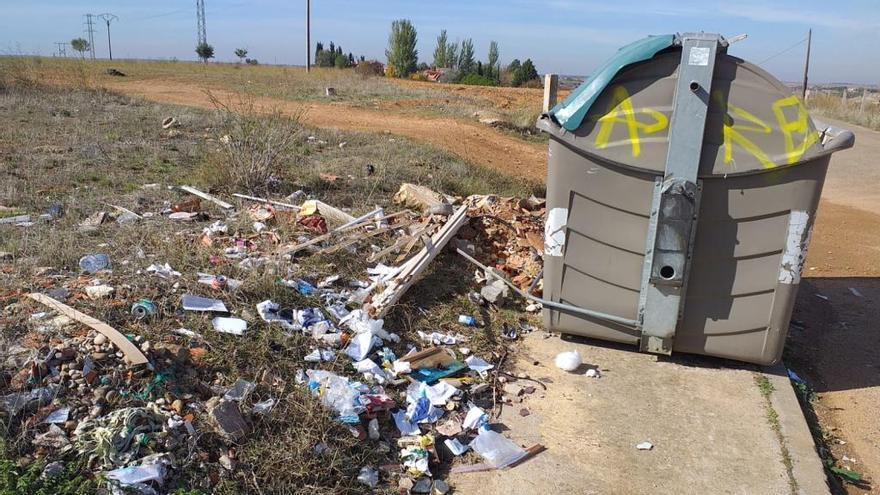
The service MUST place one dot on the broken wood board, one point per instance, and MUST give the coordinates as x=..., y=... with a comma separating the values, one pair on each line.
x=323, y=237
x=331, y=213
x=16, y=219
x=421, y=197
x=133, y=355
x=207, y=197
x=432, y=357
x=267, y=201
x=366, y=235
x=410, y=271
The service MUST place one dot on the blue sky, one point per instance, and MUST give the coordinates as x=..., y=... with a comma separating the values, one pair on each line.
x=564, y=36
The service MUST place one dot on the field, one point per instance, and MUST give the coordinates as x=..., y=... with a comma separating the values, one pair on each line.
x=90, y=142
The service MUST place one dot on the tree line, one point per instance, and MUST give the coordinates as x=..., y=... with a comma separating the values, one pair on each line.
x=456, y=58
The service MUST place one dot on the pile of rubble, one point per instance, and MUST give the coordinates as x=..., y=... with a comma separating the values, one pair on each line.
x=105, y=394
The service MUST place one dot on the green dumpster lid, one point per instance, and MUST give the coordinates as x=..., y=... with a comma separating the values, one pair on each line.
x=571, y=112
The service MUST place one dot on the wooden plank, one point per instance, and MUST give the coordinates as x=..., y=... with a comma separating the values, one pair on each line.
x=16, y=219
x=133, y=355
x=269, y=201
x=217, y=201
x=354, y=240
x=381, y=303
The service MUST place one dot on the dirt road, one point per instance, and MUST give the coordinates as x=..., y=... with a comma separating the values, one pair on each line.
x=473, y=142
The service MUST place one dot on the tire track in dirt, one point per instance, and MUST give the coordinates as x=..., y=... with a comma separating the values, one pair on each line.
x=472, y=142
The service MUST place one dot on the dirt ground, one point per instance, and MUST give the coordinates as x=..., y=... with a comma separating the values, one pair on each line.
x=474, y=142
x=836, y=349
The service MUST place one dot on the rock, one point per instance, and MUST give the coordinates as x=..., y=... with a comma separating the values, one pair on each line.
x=59, y=294
x=96, y=411
x=226, y=462
x=177, y=405
x=405, y=485
x=100, y=339
x=99, y=356
x=99, y=291
x=494, y=292
x=423, y=485
x=146, y=346
x=440, y=487
x=53, y=469
x=229, y=420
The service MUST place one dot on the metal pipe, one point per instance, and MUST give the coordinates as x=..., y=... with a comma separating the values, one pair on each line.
x=551, y=304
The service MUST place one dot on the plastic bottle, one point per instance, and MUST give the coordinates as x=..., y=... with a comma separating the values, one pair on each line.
x=93, y=263
x=467, y=320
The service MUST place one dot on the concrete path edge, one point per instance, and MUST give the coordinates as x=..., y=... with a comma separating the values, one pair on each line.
x=806, y=467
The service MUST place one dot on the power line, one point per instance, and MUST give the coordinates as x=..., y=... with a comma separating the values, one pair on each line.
x=200, y=20
x=792, y=47
x=107, y=18
x=90, y=32
x=179, y=11
x=62, y=48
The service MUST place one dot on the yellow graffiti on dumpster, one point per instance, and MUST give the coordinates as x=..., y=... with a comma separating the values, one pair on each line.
x=620, y=111
x=741, y=129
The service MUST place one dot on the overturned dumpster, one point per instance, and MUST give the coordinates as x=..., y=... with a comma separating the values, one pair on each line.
x=682, y=187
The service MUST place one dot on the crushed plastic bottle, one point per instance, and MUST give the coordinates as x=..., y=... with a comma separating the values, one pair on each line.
x=496, y=449
x=94, y=263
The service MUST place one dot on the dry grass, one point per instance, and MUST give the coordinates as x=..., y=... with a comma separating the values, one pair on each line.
x=851, y=111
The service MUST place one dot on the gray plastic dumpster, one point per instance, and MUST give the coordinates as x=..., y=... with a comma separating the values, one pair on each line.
x=681, y=191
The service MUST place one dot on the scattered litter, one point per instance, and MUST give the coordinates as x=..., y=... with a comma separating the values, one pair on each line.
x=856, y=292
x=154, y=469
x=822, y=297
x=163, y=271
x=593, y=373
x=15, y=403
x=319, y=355
x=58, y=416
x=94, y=263
x=568, y=360
x=475, y=418
x=264, y=407
x=795, y=378
x=206, y=196
x=99, y=291
x=197, y=303
x=240, y=390
x=467, y=320
x=234, y=326
x=478, y=364
x=645, y=446
x=368, y=476
x=497, y=450
x=456, y=447
x=143, y=309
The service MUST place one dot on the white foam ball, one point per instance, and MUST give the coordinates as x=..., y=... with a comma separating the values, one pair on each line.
x=568, y=360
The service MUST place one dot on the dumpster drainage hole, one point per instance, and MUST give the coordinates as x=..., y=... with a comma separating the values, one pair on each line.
x=667, y=272
x=694, y=85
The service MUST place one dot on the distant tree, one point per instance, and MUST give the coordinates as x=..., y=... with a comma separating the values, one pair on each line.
x=205, y=51
x=363, y=59
x=440, y=50
x=319, y=47
x=325, y=58
x=251, y=61
x=339, y=50
x=341, y=61
x=350, y=59
x=525, y=73
x=452, y=55
x=401, y=52
x=480, y=68
x=423, y=66
x=332, y=48
x=493, y=58
x=80, y=45
x=241, y=53
x=466, y=57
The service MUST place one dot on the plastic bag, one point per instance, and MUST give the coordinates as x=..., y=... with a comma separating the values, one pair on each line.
x=496, y=449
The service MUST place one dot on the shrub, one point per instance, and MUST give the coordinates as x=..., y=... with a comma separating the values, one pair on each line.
x=370, y=68
x=450, y=76
x=252, y=145
x=478, y=80
x=418, y=76
x=341, y=61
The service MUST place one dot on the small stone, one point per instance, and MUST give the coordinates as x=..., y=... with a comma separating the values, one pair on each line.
x=226, y=462
x=177, y=405
x=440, y=487
x=111, y=396
x=100, y=339
x=99, y=291
x=645, y=446
x=146, y=346
x=95, y=411
x=405, y=484
x=423, y=485
x=524, y=412
x=99, y=356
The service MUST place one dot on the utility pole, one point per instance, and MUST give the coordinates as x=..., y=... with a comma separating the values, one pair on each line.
x=308, y=36
x=62, y=48
x=107, y=18
x=90, y=31
x=200, y=18
x=807, y=64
